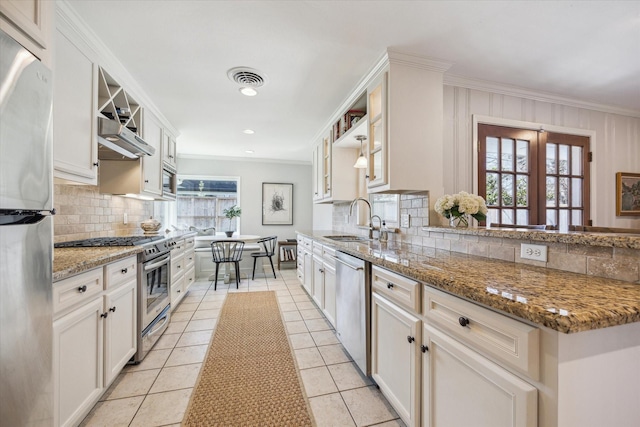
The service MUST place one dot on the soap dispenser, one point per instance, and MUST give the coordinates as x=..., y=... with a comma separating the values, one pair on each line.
x=384, y=233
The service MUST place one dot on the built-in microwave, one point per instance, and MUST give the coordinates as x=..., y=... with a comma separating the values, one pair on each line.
x=169, y=183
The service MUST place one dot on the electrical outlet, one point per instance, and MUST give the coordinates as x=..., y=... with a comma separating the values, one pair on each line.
x=125, y=219
x=533, y=252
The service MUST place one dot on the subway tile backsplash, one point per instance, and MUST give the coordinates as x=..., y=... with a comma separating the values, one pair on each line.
x=82, y=213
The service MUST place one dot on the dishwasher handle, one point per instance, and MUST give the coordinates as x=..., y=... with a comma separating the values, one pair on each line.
x=349, y=265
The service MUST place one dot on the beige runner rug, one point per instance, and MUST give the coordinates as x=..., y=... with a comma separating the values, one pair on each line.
x=249, y=376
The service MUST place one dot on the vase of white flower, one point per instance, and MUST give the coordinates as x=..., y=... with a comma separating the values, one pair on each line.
x=459, y=208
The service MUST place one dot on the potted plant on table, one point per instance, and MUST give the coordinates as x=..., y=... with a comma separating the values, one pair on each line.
x=232, y=212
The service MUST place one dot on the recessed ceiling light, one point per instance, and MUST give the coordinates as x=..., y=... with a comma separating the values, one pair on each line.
x=248, y=131
x=249, y=151
x=248, y=91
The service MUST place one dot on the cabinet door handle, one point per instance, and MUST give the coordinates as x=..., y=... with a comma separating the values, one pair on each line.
x=113, y=309
x=464, y=321
x=146, y=181
x=104, y=315
x=96, y=164
x=389, y=285
x=124, y=270
x=82, y=289
x=410, y=339
x=424, y=348
x=321, y=270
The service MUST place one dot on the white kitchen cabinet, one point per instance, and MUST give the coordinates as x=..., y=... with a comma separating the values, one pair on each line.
x=334, y=177
x=78, y=360
x=300, y=260
x=329, y=266
x=177, y=273
x=120, y=328
x=152, y=165
x=30, y=22
x=318, y=280
x=75, y=145
x=94, y=335
x=169, y=150
x=395, y=357
x=308, y=271
x=463, y=388
x=405, y=107
x=316, y=173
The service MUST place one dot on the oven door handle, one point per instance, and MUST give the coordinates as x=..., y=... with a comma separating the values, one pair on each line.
x=157, y=327
x=163, y=261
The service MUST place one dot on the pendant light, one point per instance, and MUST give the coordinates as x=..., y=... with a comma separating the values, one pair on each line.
x=361, y=163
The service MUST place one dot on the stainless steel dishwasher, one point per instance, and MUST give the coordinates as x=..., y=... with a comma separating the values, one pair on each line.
x=353, y=313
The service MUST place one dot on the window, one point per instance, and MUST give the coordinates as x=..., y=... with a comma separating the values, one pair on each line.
x=201, y=201
x=386, y=207
x=533, y=177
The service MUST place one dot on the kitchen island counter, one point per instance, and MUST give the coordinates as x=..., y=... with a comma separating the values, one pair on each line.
x=68, y=262
x=563, y=301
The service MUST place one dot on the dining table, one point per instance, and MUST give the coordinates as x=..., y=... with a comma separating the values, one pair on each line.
x=206, y=240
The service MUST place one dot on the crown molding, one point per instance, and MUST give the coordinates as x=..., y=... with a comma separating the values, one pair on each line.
x=503, y=89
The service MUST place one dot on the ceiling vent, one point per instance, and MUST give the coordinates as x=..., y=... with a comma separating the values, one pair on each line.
x=245, y=76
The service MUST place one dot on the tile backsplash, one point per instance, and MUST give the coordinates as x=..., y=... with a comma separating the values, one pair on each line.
x=614, y=263
x=82, y=213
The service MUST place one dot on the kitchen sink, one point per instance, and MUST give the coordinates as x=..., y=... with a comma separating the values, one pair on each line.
x=348, y=238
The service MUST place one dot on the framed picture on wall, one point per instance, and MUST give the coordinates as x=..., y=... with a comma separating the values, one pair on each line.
x=277, y=203
x=627, y=194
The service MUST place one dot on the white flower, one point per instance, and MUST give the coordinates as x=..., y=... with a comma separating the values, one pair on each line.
x=460, y=204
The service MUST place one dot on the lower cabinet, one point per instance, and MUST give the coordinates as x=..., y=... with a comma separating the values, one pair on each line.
x=318, y=281
x=395, y=357
x=439, y=369
x=329, y=308
x=308, y=271
x=463, y=388
x=94, y=335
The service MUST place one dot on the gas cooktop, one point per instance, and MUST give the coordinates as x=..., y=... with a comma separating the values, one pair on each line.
x=109, y=241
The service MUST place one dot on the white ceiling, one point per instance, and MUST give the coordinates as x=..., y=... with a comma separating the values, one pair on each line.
x=315, y=52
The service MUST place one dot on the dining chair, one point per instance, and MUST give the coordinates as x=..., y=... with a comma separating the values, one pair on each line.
x=269, y=244
x=227, y=251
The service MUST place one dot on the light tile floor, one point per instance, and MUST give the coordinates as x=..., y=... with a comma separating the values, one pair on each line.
x=156, y=392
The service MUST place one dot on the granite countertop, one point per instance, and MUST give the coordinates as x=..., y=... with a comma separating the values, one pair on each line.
x=71, y=261
x=614, y=240
x=563, y=301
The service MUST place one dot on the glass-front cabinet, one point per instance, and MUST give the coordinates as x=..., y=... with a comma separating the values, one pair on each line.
x=376, y=146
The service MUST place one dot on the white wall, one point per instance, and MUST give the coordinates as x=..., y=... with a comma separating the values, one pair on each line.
x=252, y=174
x=616, y=146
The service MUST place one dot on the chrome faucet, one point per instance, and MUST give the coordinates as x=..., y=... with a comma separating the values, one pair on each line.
x=370, y=217
x=379, y=228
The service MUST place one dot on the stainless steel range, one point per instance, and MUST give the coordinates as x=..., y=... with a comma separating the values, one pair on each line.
x=154, y=274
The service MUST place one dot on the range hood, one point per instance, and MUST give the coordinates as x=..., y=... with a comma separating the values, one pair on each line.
x=117, y=142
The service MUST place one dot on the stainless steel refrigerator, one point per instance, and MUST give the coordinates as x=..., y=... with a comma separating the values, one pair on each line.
x=26, y=205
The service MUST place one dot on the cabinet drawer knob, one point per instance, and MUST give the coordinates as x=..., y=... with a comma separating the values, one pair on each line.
x=82, y=289
x=424, y=348
x=410, y=339
x=389, y=285
x=104, y=315
x=464, y=321
x=96, y=164
x=113, y=309
x=124, y=270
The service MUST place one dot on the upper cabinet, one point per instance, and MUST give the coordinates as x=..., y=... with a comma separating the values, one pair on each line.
x=334, y=175
x=405, y=104
x=75, y=146
x=116, y=104
x=169, y=150
x=397, y=108
x=30, y=22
